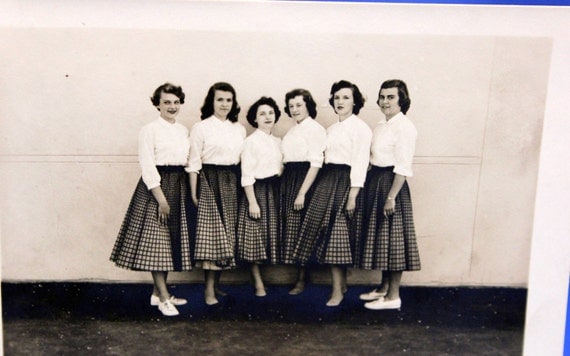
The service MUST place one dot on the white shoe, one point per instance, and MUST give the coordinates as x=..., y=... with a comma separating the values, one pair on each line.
x=382, y=303
x=373, y=295
x=155, y=300
x=167, y=308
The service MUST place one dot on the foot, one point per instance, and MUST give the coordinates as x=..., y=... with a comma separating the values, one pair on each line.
x=335, y=301
x=372, y=295
x=382, y=304
x=167, y=308
x=210, y=299
x=155, y=300
x=298, y=289
x=220, y=292
x=260, y=292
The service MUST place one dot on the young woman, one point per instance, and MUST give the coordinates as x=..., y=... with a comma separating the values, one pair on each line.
x=388, y=240
x=329, y=230
x=261, y=165
x=154, y=235
x=215, y=148
x=302, y=148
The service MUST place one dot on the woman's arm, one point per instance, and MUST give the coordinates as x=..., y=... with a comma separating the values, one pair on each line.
x=397, y=184
x=163, y=207
x=194, y=188
x=299, y=203
x=254, y=210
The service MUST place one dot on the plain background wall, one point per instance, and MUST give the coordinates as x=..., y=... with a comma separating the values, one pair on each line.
x=75, y=100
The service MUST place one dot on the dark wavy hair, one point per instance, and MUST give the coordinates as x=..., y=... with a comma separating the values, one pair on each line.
x=208, y=106
x=307, y=98
x=403, y=96
x=252, y=112
x=356, y=94
x=167, y=88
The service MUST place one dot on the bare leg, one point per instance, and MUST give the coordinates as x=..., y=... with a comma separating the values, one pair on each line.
x=209, y=294
x=155, y=290
x=394, y=289
x=336, y=296
x=217, y=289
x=300, y=284
x=258, y=282
x=343, y=282
x=160, y=286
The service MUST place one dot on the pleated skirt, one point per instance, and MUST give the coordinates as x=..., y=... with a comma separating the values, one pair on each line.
x=258, y=239
x=387, y=243
x=292, y=178
x=327, y=234
x=217, y=217
x=143, y=244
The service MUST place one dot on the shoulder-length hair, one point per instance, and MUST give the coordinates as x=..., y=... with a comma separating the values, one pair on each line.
x=356, y=94
x=307, y=98
x=167, y=88
x=208, y=106
x=403, y=96
x=252, y=112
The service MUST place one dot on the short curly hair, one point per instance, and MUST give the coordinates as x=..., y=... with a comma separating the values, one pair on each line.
x=208, y=106
x=252, y=112
x=167, y=88
x=307, y=98
x=403, y=96
x=356, y=94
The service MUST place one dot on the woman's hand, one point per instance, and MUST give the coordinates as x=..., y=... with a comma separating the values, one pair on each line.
x=163, y=212
x=389, y=206
x=254, y=211
x=299, y=202
x=194, y=200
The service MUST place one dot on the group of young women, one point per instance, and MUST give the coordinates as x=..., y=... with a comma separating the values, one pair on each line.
x=216, y=199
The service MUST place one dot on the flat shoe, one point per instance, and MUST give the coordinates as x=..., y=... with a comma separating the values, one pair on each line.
x=167, y=308
x=382, y=304
x=374, y=295
x=155, y=300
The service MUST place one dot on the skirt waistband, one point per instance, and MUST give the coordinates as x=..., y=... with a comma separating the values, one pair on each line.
x=297, y=165
x=381, y=169
x=170, y=169
x=267, y=179
x=343, y=167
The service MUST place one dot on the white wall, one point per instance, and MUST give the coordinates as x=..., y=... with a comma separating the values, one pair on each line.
x=73, y=100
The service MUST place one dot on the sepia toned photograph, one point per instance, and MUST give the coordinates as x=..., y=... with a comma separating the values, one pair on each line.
x=415, y=238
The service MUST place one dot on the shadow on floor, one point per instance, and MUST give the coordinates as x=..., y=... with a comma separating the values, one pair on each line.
x=67, y=318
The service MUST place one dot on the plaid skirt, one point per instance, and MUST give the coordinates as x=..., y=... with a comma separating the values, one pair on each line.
x=258, y=239
x=387, y=244
x=217, y=217
x=143, y=243
x=293, y=176
x=327, y=234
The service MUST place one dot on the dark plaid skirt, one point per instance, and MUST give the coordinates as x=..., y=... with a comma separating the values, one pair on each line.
x=327, y=234
x=217, y=217
x=258, y=239
x=293, y=176
x=387, y=244
x=143, y=243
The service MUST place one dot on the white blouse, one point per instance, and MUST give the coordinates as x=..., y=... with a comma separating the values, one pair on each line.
x=213, y=141
x=161, y=144
x=260, y=158
x=394, y=143
x=305, y=142
x=348, y=142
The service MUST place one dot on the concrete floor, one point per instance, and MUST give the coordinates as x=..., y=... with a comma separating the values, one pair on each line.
x=115, y=319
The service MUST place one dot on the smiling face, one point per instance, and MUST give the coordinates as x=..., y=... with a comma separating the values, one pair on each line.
x=169, y=106
x=343, y=101
x=298, y=108
x=265, y=118
x=223, y=101
x=388, y=100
